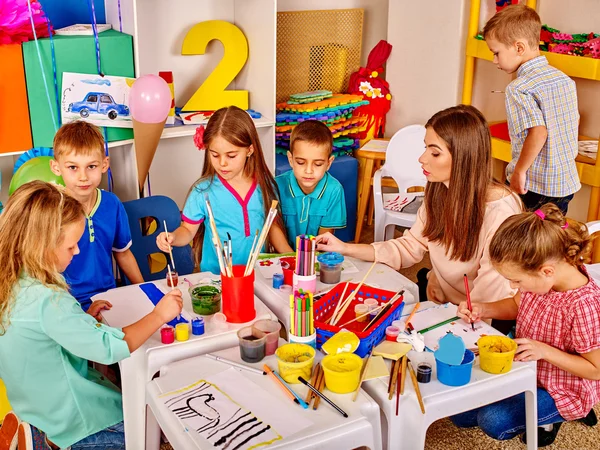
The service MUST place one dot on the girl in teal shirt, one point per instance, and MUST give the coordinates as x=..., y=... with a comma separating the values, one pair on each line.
x=46, y=338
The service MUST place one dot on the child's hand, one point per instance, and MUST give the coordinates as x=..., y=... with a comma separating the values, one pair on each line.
x=169, y=306
x=517, y=182
x=470, y=316
x=163, y=243
x=97, y=307
x=329, y=243
x=529, y=350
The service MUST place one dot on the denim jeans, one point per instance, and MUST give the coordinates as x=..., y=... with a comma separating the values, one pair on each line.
x=534, y=201
x=506, y=419
x=111, y=438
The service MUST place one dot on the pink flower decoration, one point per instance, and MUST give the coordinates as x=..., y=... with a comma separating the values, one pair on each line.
x=199, y=137
x=15, y=25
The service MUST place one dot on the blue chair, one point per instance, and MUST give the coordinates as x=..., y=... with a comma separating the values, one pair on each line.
x=345, y=170
x=160, y=208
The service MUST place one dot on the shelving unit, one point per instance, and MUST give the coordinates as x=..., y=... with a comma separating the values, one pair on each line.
x=573, y=66
x=158, y=28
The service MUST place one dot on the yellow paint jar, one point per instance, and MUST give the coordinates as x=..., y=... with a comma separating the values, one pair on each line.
x=295, y=360
x=182, y=332
x=342, y=372
x=496, y=353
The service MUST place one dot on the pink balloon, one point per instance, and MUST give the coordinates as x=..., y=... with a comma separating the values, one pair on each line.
x=150, y=99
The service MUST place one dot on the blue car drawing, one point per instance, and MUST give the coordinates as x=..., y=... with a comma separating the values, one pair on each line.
x=99, y=103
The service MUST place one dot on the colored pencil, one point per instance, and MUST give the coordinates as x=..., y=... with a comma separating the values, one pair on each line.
x=170, y=249
x=437, y=325
x=236, y=364
x=468, y=293
x=289, y=392
x=317, y=392
x=413, y=377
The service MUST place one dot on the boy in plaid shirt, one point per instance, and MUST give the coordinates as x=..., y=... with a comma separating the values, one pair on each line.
x=541, y=106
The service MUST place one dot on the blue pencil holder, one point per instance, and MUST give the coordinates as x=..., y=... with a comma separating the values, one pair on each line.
x=456, y=375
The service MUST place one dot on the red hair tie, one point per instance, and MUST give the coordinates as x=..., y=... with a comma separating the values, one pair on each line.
x=199, y=137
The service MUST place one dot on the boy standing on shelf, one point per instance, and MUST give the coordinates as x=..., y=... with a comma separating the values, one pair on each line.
x=312, y=201
x=79, y=158
x=541, y=106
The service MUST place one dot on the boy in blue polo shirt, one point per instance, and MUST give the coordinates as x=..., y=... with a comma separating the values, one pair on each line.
x=79, y=158
x=312, y=201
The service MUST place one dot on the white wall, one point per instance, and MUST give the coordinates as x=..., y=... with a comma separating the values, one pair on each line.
x=375, y=19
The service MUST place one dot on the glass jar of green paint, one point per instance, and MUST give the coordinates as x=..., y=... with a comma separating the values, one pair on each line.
x=206, y=299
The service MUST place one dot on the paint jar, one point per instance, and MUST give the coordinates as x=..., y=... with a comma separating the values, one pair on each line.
x=308, y=283
x=271, y=328
x=219, y=322
x=400, y=324
x=295, y=360
x=424, y=372
x=288, y=266
x=206, y=299
x=308, y=340
x=496, y=353
x=361, y=310
x=252, y=344
x=277, y=280
x=372, y=304
x=391, y=333
x=198, y=326
x=167, y=335
x=342, y=372
x=237, y=296
x=175, y=277
x=182, y=332
x=456, y=375
x=330, y=267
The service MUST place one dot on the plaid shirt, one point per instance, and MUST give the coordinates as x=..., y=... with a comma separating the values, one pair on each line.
x=544, y=96
x=568, y=321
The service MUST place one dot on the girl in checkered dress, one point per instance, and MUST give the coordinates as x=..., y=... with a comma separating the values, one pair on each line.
x=557, y=309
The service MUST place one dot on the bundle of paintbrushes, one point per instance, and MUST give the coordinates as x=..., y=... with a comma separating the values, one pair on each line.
x=306, y=254
x=258, y=244
x=301, y=314
x=224, y=252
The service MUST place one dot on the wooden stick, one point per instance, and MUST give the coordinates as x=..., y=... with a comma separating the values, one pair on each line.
x=385, y=309
x=416, y=385
x=362, y=376
x=404, y=362
x=338, y=304
x=347, y=302
x=393, y=299
x=310, y=394
x=320, y=388
x=170, y=249
x=394, y=376
x=392, y=371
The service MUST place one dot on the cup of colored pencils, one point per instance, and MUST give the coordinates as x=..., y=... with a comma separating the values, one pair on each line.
x=302, y=328
x=305, y=277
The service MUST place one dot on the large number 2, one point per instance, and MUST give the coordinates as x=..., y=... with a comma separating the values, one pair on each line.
x=211, y=95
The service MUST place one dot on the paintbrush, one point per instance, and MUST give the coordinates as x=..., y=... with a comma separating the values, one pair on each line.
x=384, y=310
x=172, y=287
x=347, y=302
x=229, y=247
x=170, y=249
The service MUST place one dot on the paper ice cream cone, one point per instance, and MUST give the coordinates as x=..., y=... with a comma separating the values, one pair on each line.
x=146, y=137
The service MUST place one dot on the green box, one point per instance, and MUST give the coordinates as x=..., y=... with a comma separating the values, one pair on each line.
x=73, y=54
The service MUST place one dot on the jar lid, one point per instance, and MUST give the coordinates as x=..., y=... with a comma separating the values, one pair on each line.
x=330, y=258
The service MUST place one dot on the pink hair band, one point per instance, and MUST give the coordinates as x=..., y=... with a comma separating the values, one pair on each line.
x=541, y=215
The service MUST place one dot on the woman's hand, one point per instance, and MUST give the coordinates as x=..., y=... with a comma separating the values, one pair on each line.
x=434, y=290
x=163, y=243
x=530, y=350
x=97, y=307
x=329, y=243
x=169, y=306
x=470, y=316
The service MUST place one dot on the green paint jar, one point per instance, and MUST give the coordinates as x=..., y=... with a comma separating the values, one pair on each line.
x=206, y=299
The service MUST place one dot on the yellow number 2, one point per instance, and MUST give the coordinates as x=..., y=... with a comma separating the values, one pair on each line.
x=211, y=95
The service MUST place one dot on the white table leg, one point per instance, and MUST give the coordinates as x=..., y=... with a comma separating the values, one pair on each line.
x=531, y=418
x=133, y=385
x=152, y=431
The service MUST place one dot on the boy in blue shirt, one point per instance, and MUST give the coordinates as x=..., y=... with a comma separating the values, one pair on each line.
x=312, y=201
x=79, y=158
x=541, y=106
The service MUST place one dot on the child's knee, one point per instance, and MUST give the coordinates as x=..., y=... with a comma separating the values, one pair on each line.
x=467, y=419
x=497, y=426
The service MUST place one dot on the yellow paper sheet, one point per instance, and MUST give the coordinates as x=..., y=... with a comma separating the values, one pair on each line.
x=377, y=368
x=392, y=350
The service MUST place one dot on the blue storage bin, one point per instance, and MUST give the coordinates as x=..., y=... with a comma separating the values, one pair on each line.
x=456, y=375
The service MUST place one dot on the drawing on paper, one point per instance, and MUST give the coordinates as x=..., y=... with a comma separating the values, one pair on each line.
x=203, y=407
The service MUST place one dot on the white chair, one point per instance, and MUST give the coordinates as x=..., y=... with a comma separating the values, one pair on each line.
x=593, y=227
x=401, y=163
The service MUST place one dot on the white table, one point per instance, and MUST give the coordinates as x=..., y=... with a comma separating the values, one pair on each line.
x=131, y=304
x=382, y=276
x=329, y=430
x=408, y=429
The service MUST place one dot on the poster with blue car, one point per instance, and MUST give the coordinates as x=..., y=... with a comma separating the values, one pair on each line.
x=103, y=101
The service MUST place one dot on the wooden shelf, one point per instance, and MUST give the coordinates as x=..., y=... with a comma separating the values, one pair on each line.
x=573, y=66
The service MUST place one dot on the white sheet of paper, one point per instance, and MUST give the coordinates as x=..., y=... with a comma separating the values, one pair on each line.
x=462, y=329
x=269, y=267
x=225, y=397
x=424, y=318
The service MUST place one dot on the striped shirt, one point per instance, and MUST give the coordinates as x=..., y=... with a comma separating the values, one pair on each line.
x=544, y=96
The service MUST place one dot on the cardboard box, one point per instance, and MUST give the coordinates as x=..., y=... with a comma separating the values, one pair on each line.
x=15, y=131
x=73, y=54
